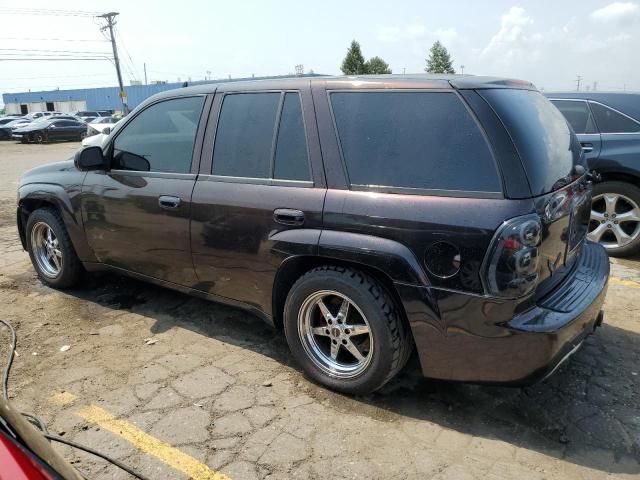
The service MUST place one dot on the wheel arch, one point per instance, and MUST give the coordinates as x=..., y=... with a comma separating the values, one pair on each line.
x=34, y=196
x=296, y=266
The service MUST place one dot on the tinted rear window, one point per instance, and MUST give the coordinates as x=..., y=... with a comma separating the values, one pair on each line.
x=425, y=140
x=548, y=148
x=610, y=121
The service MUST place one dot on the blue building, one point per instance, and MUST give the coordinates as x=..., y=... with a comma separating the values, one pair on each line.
x=105, y=98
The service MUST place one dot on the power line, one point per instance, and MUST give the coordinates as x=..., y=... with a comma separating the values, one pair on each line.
x=42, y=11
x=70, y=59
x=38, y=51
x=24, y=39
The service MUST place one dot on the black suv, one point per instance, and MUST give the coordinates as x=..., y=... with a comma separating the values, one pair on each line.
x=608, y=126
x=362, y=215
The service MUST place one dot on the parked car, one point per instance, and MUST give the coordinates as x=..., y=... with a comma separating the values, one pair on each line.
x=7, y=119
x=7, y=129
x=608, y=126
x=362, y=216
x=47, y=130
x=100, y=138
x=90, y=115
x=100, y=124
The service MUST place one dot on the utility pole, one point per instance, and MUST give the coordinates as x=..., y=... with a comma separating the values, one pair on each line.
x=208, y=77
x=145, y=73
x=461, y=69
x=595, y=86
x=578, y=80
x=110, y=18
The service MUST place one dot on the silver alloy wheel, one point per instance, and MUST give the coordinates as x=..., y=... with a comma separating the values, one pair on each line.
x=335, y=334
x=615, y=220
x=46, y=250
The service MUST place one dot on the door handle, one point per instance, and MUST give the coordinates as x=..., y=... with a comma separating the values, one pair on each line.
x=586, y=147
x=288, y=216
x=168, y=202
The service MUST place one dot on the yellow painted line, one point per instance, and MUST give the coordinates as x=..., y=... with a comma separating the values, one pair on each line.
x=142, y=440
x=625, y=282
x=64, y=398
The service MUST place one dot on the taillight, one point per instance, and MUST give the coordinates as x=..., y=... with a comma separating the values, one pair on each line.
x=510, y=268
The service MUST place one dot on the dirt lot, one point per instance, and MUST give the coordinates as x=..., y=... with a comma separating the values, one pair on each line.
x=218, y=392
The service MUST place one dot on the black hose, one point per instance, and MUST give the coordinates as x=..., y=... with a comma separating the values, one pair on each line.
x=121, y=465
x=12, y=352
x=36, y=421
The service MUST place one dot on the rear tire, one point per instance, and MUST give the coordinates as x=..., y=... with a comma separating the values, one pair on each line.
x=322, y=338
x=51, y=251
x=615, y=217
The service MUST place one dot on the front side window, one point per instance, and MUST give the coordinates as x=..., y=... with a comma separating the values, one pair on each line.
x=610, y=121
x=577, y=114
x=160, y=138
x=424, y=140
x=261, y=135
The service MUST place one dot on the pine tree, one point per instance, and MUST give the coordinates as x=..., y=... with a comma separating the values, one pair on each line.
x=439, y=60
x=353, y=63
x=377, y=65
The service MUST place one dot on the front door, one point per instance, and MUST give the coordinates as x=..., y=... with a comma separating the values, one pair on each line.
x=257, y=191
x=137, y=213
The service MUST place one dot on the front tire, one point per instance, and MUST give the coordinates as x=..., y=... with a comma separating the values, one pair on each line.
x=50, y=249
x=345, y=331
x=615, y=217
x=39, y=138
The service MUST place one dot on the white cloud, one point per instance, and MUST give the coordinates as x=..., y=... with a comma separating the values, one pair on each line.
x=446, y=35
x=389, y=34
x=616, y=12
x=416, y=30
x=512, y=34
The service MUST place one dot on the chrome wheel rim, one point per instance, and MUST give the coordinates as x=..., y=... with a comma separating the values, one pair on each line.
x=46, y=250
x=335, y=334
x=615, y=220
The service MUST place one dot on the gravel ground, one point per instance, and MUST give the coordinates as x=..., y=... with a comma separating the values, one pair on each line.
x=220, y=386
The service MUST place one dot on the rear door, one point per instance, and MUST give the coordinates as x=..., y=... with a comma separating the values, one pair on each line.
x=261, y=177
x=136, y=214
x=580, y=117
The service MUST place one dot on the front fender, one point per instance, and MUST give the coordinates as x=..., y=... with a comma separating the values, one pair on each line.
x=66, y=201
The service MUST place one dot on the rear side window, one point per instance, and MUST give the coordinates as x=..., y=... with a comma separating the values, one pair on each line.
x=291, y=158
x=424, y=140
x=577, y=114
x=610, y=121
x=261, y=135
x=548, y=148
x=163, y=135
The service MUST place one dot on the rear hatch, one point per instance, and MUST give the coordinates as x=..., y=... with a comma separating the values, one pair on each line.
x=552, y=159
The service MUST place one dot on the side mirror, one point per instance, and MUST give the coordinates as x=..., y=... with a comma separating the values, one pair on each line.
x=107, y=131
x=52, y=126
x=90, y=158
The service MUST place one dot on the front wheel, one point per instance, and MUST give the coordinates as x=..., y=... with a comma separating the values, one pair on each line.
x=39, y=138
x=50, y=249
x=343, y=328
x=615, y=217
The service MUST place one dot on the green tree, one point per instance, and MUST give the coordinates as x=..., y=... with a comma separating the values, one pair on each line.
x=439, y=60
x=377, y=65
x=353, y=63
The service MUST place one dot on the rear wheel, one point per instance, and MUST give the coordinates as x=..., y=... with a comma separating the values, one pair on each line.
x=615, y=217
x=51, y=251
x=344, y=330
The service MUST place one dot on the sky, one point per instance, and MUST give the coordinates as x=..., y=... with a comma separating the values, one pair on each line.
x=550, y=43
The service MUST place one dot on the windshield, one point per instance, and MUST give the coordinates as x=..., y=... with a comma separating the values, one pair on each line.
x=548, y=148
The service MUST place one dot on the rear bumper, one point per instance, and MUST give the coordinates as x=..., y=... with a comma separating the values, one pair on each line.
x=463, y=337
